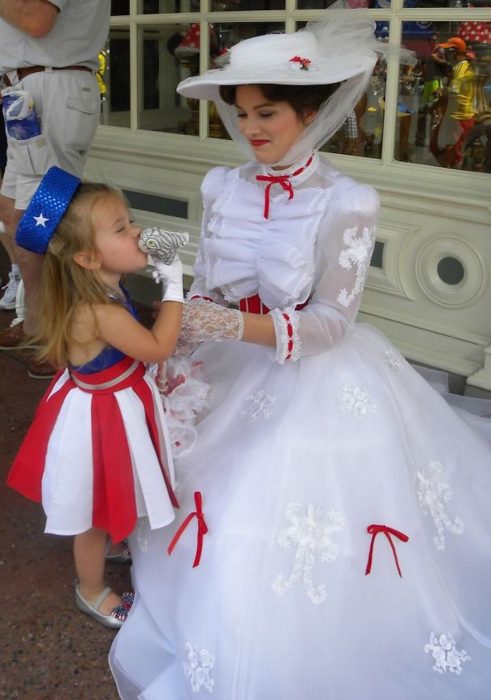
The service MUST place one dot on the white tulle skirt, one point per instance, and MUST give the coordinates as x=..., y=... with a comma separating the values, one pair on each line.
x=296, y=596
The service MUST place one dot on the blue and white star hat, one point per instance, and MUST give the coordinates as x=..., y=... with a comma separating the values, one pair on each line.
x=46, y=209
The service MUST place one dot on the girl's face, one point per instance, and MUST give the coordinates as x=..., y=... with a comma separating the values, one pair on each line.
x=270, y=127
x=116, y=240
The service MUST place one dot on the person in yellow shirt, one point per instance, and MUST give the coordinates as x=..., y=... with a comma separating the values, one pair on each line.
x=100, y=73
x=460, y=91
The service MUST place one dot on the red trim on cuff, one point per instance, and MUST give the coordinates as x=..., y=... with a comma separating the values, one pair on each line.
x=289, y=330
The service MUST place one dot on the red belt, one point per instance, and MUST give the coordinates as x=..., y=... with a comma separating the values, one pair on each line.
x=28, y=70
x=254, y=305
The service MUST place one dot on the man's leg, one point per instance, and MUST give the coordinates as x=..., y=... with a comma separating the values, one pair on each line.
x=6, y=241
x=29, y=263
x=7, y=300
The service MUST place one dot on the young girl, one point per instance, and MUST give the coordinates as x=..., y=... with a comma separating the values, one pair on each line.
x=347, y=505
x=97, y=453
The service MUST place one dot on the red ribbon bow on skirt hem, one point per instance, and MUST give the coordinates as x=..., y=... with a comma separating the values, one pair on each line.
x=202, y=529
x=374, y=530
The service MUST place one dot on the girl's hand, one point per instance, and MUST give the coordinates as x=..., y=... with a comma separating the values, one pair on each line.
x=171, y=276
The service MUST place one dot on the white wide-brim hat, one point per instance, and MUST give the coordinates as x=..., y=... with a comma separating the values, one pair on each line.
x=282, y=59
x=339, y=49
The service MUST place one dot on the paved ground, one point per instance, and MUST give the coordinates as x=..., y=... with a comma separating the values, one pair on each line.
x=48, y=649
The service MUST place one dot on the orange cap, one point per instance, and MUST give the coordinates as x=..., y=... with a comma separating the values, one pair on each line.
x=455, y=42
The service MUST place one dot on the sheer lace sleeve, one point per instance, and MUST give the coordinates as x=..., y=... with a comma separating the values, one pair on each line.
x=344, y=249
x=210, y=188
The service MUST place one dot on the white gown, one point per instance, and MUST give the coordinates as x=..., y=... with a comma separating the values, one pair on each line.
x=295, y=460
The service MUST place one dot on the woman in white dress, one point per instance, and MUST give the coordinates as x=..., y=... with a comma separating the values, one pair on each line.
x=347, y=551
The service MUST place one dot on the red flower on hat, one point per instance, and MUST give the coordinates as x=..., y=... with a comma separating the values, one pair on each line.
x=303, y=63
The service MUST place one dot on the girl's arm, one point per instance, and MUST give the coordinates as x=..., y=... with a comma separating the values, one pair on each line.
x=117, y=327
x=124, y=332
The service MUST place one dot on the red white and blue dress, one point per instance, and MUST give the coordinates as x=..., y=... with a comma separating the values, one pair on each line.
x=348, y=552
x=97, y=453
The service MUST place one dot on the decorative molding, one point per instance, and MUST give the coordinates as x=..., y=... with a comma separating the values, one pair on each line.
x=392, y=234
x=466, y=292
x=395, y=180
x=428, y=347
x=482, y=378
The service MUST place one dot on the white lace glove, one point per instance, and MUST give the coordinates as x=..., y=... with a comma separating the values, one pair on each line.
x=204, y=321
x=171, y=276
x=184, y=348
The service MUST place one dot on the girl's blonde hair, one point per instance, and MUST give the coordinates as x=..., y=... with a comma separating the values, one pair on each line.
x=65, y=284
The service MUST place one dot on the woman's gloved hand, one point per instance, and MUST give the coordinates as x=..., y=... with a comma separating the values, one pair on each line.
x=204, y=321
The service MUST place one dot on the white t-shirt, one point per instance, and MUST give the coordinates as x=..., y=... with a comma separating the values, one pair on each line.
x=78, y=35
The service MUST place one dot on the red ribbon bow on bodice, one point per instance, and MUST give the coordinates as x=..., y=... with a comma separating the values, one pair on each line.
x=282, y=180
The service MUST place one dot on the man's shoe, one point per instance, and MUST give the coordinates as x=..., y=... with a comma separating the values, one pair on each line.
x=7, y=302
x=40, y=370
x=13, y=338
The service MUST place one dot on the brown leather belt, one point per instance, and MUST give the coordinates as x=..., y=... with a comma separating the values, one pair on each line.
x=28, y=70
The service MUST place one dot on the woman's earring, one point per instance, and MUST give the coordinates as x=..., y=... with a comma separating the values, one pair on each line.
x=309, y=117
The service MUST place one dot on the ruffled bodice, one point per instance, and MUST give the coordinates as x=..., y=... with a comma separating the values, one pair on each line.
x=315, y=245
x=244, y=254
x=246, y=257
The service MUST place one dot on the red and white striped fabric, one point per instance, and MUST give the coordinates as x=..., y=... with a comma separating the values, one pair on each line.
x=97, y=453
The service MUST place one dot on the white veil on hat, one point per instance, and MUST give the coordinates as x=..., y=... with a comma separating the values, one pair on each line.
x=340, y=48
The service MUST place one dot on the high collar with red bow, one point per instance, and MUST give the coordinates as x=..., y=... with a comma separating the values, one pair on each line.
x=286, y=180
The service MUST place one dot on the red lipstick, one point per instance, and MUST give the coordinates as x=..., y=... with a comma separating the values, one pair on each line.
x=258, y=142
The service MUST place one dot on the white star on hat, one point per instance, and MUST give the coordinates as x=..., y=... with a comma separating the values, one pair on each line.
x=40, y=220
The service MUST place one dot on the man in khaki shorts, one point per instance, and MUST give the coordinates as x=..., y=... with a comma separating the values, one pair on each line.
x=49, y=49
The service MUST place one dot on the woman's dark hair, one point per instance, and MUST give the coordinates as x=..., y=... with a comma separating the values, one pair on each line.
x=302, y=98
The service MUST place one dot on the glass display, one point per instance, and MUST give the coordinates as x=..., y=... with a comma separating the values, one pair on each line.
x=230, y=5
x=114, y=79
x=427, y=4
x=120, y=7
x=353, y=4
x=443, y=114
x=167, y=54
x=154, y=7
x=362, y=132
x=444, y=103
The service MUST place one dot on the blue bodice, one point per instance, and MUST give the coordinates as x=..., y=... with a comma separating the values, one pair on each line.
x=109, y=356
